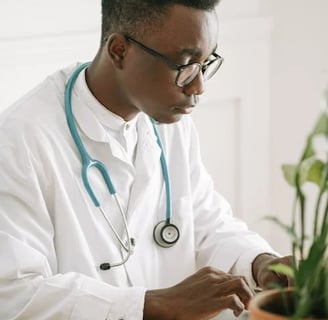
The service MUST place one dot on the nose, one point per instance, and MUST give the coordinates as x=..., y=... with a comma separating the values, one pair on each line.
x=195, y=87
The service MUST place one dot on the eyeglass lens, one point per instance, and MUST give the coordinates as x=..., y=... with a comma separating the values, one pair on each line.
x=190, y=72
x=211, y=69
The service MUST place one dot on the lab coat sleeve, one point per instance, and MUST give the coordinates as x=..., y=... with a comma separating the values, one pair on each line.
x=221, y=240
x=29, y=286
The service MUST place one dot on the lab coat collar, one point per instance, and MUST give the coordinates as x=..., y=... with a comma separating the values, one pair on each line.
x=111, y=120
x=83, y=102
x=91, y=115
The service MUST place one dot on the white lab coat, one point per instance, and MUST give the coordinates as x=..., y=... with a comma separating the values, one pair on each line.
x=53, y=239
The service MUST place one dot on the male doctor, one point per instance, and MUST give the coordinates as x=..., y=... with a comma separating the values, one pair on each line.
x=61, y=256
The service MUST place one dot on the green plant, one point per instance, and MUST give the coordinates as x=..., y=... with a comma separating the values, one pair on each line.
x=310, y=267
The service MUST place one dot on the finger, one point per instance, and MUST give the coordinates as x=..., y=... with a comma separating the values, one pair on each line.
x=213, y=272
x=240, y=287
x=234, y=303
x=277, y=278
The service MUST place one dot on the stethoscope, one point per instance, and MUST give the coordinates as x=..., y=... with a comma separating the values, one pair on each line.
x=165, y=233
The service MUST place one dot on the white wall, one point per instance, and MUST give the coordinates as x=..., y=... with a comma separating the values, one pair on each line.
x=39, y=36
x=235, y=143
x=299, y=74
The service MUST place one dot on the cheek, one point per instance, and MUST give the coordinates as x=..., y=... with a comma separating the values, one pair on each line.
x=153, y=75
x=153, y=86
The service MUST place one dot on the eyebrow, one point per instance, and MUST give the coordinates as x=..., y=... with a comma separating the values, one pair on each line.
x=194, y=52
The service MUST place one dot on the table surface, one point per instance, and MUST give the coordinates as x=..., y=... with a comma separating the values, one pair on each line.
x=228, y=315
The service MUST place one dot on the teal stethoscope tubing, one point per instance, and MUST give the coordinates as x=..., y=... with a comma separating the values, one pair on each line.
x=165, y=175
x=88, y=162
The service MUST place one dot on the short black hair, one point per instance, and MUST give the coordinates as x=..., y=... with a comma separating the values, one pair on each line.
x=136, y=17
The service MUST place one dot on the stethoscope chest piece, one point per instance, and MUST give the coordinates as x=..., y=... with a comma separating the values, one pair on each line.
x=166, y=234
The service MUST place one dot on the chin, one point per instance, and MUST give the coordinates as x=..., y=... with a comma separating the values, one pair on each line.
x=168, y=120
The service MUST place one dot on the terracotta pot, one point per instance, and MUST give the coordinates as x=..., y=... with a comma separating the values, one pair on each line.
x=266, y=299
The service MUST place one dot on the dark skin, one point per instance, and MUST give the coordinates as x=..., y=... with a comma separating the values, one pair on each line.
x=126, y=80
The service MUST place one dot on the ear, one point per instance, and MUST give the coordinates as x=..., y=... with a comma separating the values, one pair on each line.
x=116, y=49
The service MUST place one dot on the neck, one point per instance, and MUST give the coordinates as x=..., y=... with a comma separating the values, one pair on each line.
x=102, y=82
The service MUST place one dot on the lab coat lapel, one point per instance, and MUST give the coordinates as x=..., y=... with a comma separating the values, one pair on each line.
x=93, y=129
x=147, y=159
x=87, y=121
x=145, y=193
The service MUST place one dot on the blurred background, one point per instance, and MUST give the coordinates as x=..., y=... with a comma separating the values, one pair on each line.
x=255, y=113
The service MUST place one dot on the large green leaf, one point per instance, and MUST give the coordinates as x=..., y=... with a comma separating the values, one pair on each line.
x=321, y=126
x=303, y=307
x=315, y=172
x=282, y=269
x=309, y=151
x=306, y=273
x=289, y=171
x=310, y=296
x=310, y=170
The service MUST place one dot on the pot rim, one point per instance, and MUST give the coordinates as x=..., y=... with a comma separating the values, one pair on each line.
x=261, y=298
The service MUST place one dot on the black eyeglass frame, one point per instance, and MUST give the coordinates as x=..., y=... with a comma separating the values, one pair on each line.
x=177, y=67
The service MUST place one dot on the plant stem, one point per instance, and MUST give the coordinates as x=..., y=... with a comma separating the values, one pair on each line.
x=323, y=189
x=301, y=198
x=324, y=226
x=294, y=242
x=317, y=211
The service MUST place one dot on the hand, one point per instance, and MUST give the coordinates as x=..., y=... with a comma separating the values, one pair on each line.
x=263, y=276
x=199, y=297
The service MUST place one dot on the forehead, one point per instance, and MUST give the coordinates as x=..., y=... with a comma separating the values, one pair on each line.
x=187, y=30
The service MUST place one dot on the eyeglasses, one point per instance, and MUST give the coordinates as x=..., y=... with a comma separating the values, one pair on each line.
x=186, y=72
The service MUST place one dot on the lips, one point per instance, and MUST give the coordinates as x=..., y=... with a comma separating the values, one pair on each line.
x=184, y=109
x=187, y=107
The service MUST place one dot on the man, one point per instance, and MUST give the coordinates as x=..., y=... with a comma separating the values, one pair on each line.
x=62, y=257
